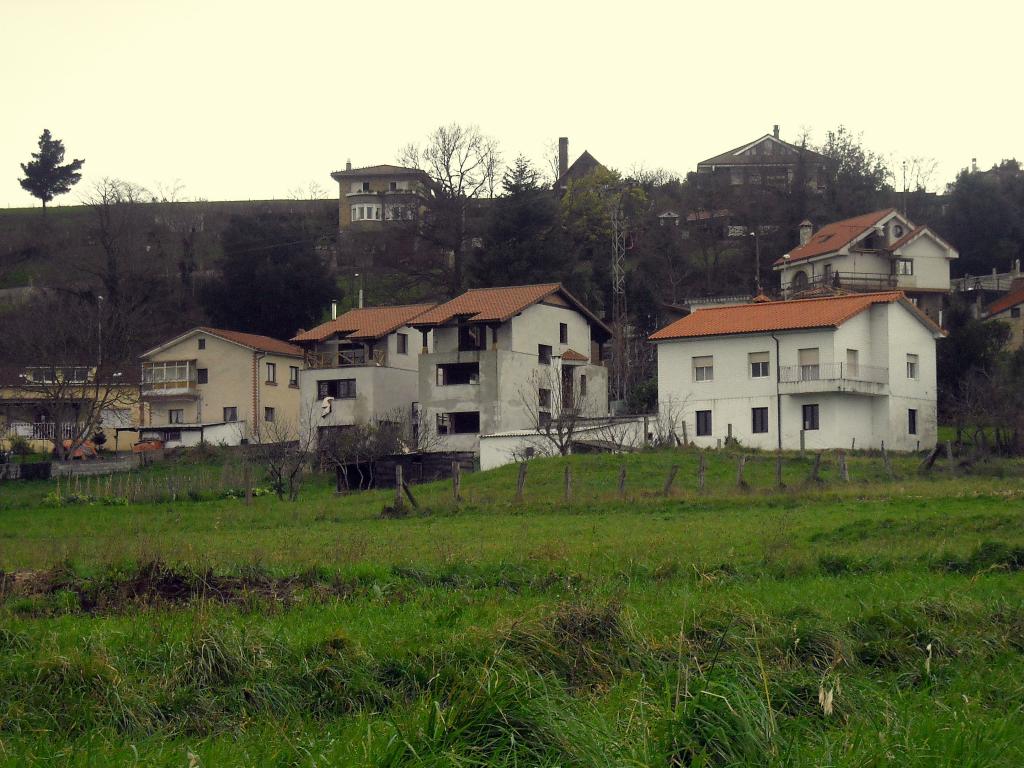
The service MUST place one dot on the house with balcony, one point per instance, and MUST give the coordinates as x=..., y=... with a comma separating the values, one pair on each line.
x=210, y=385
x=51, y=404
x=371, y=196
x=362, y=366
x=842, y=371
x=878, y=251
x=509, y=359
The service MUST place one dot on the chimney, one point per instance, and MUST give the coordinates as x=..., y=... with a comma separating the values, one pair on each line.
x=563, y=156
x=775, y=130
x=806, y=230
x=348, y=165
x=334, y=310
x=974, y=165
x=360, y=298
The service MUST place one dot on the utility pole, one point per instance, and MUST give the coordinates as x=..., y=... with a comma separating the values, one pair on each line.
x=620, y=342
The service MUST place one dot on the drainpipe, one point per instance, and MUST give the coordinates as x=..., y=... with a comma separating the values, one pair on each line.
x=257, y=356
x=778, y=396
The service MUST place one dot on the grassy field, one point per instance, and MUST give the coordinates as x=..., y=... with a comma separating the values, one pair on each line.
x=875, y=622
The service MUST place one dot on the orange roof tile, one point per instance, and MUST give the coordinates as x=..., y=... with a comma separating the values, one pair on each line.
x=365, y=323
x=573, y=356
x=255, y=341
x=827, y=312
x=834, y=236
x=501, y=304
x=1003, y=303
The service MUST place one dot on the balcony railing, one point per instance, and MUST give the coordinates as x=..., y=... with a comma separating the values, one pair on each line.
x=345, y=359
x=43, y=430
x=791, y=374
x=858, y=282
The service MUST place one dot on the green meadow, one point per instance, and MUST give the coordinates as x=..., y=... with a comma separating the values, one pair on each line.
x=870, y=622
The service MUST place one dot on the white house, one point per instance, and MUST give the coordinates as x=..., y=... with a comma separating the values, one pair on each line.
x=877, y=251
x=508, y=359
x=362, y=366
x=847, y=370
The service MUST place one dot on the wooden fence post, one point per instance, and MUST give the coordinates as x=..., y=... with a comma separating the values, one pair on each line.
x=568, y=483
x=701, y=467
x=778, y=469
x=740, y=482
x=399, y=482
x=844, y=472
x=853, y=444
x=521, y=481
x=886, y=461
x=622, y=481
x=816, y=468
x=456, y=481
x=247, y=480
x=949, y=457
x=803, y=443
x=686, y=437
x=669, y=480
x=929, y=460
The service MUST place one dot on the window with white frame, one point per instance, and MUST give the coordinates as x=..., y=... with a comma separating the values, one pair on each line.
x=704, y=368
x=176, y=416
x=904, y=266
x=293, y=375
x=758, y=365
x=366, y=212
x=912, y=366
x=271, y=373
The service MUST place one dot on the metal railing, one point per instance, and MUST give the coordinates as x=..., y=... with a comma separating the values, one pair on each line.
x=791, y=374
x=862, y=282
x=43, y=430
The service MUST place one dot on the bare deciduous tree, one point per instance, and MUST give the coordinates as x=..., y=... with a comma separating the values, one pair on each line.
x=557, y=408
x=284, y=449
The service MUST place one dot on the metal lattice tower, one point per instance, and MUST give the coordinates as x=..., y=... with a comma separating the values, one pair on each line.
x=619, y=324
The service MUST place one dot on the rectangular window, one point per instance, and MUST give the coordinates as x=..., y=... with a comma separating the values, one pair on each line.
x=202, y=376
x=402, y=343
x=759, y=420
x=911, y=366
x=912, y=421
x=176, y=416
x=544, y=354
x=808, y=359
x=758, y=365
x=450, y=374
x=563, y=333
x=268, y=414
x=810, y=416
x=703, y=423
x=202, y=343
x=904, y=266
x=459, y=423
x=339, y=389
x=704, y=368
x=393, y=186
x=583, y=385
x=271, y=373
x=293, y=375
x=366, y=186
x=230, y=413
x=852, y=363
x=1015, y=312
x=544, y=398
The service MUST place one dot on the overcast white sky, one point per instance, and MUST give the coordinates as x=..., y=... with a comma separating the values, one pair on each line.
x=249, y=100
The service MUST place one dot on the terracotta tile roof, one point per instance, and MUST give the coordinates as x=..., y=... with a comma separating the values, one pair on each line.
x=827, y=312
x=500, y=304
x=1003, y=303
x=572, y=356
x=834, y=236
x=365, y=323
x=255, y=341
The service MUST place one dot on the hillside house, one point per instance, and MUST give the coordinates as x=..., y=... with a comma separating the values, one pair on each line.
x=843, y=370
x=369, y=197
x=363, y=366
x=581, y=167
x=1007, y=309
x=221, y=387
x=877, y=251
x=766, y=161
x=508, y=359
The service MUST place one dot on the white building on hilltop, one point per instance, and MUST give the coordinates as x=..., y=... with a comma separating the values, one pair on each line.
x=844, y=370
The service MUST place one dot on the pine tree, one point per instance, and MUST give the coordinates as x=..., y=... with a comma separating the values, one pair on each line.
x=45, y=176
